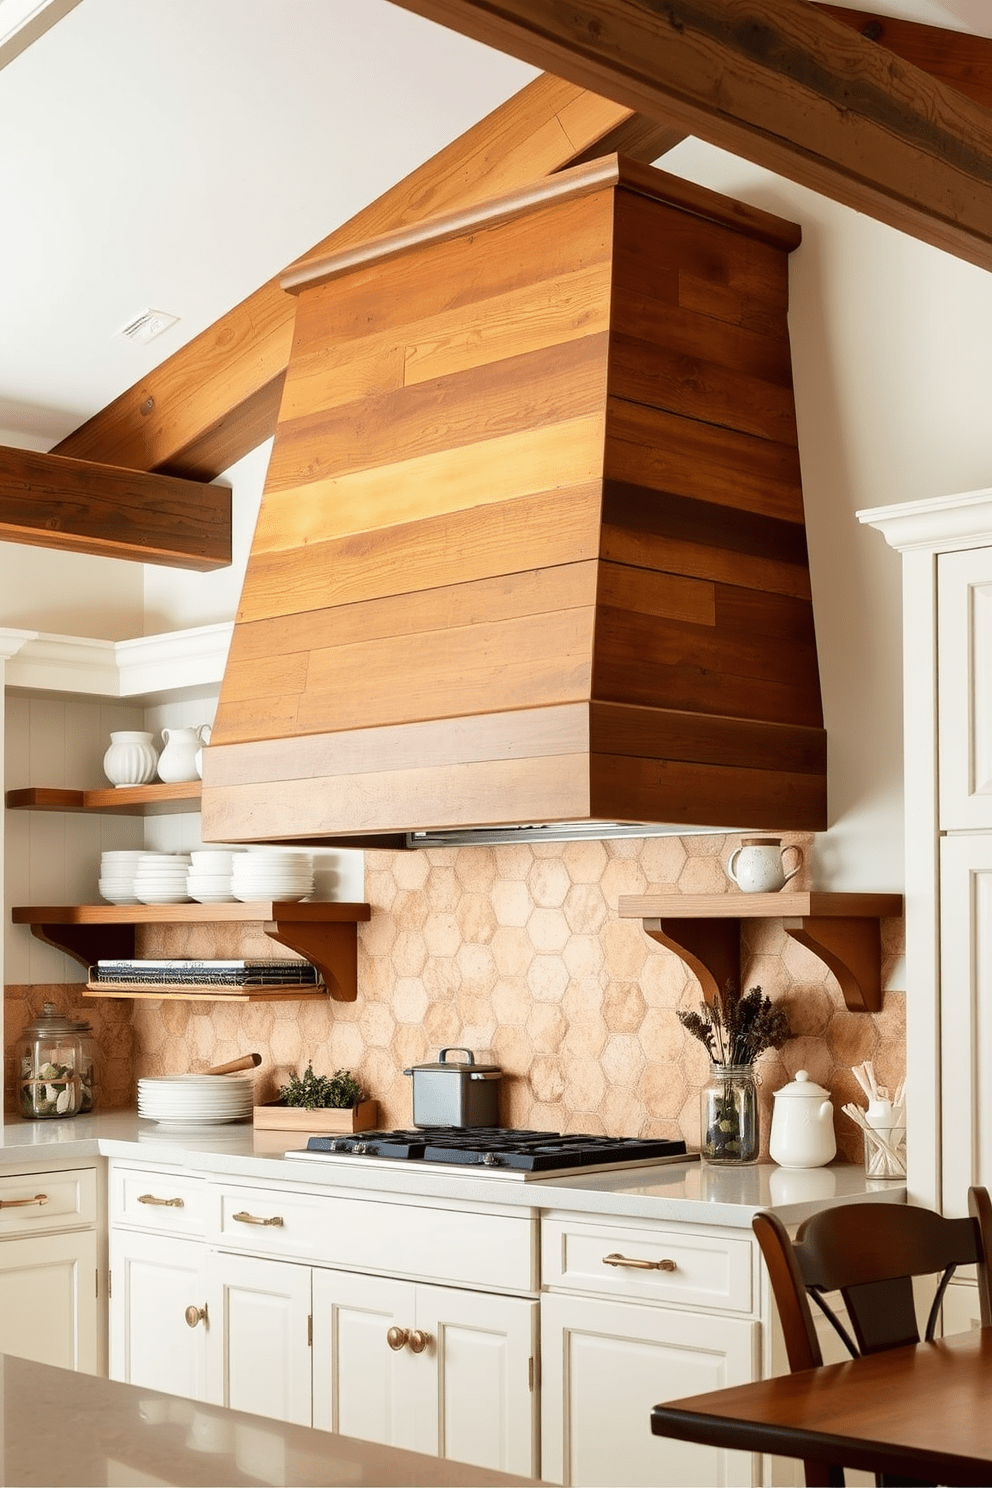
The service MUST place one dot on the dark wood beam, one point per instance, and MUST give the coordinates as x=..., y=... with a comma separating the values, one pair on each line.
x=81, y=506
x=218, y=397
x=778, y=82
x=961, y=60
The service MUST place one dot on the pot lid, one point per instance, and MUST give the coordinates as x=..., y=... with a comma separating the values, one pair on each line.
x=456, y=1066
x=802, y=1088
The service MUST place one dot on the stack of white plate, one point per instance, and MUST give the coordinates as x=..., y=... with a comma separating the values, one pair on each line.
x=209, y=878
x=195, y=1100
x=161, y=878
x=117, y=870
x=271, y=873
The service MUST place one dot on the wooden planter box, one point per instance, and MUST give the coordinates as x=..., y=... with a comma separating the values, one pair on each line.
x=277, y=1117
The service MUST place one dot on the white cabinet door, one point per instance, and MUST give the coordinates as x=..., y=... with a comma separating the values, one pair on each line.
x=48, y=1301
x=605, y=1364
x=478, y=1387
x=965, y=1016
x=467, y=1395
x=258, y=1336
x=154, y=1279
x=361, y=1386
x=964, y=688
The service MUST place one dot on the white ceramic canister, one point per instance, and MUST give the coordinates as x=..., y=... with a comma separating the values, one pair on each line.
x=177, y=762
x=131, y=758
x=802, y=1134
x=758, y=865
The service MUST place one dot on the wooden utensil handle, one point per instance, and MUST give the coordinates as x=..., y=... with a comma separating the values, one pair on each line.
x=247, y=1061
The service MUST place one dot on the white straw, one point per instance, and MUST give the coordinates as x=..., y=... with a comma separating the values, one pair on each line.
x=858, y=1073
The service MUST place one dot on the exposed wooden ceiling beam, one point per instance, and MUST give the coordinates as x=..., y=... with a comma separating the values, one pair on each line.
x=961, y=60
x=218, y=396
x=55, y=502
x=778, y=82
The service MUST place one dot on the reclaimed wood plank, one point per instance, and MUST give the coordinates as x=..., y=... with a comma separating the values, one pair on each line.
x=561, y=525
x=485, y=473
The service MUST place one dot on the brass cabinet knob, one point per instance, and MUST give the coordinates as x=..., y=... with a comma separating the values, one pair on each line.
x=397, y=1338
x=419, y=1341
x=194, y=1315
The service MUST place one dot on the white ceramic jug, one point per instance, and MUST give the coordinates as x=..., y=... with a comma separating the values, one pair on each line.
x=177, y=762
x=758, y=865
x=204, y=732
x=802, y=1134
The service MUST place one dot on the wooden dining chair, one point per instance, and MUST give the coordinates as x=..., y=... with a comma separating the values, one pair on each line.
x=869, y=1254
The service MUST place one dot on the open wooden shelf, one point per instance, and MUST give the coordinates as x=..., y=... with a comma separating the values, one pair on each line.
x=170, y=992
x=121, y=800
x=704, y=930
x=324, y=932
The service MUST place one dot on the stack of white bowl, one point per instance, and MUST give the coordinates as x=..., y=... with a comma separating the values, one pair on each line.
x=117, y=870
x=189, y=1100
x=161, y=878
x=271, y=873
x=209, y=878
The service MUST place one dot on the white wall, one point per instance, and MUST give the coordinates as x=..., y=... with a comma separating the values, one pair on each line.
x=175, y=598
x=892, y=356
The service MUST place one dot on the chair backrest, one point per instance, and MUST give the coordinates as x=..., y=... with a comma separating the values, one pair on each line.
x=869, y=1253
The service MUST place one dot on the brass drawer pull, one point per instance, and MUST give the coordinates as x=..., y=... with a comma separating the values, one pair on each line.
x=245, y=1218
x=620, y=1260
x=398, y=1338
x=419, y=1341
x=19, y=1203
x=194, y=1315
x=165, y=1203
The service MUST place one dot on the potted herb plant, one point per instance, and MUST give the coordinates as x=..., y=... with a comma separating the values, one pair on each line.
x=319, y=1103
x=735, y=1028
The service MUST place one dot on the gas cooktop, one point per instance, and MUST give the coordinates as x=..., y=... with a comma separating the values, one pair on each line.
x=496, y=1151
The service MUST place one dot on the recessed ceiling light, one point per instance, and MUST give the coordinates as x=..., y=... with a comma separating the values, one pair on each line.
x=146, y=326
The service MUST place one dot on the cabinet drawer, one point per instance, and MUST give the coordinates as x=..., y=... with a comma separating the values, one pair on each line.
x=495, y=1251
x=702, y=1270
x=32, y=1202
x=158, y=1200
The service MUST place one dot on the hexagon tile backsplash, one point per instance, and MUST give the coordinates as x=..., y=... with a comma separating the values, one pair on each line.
x=517, y=953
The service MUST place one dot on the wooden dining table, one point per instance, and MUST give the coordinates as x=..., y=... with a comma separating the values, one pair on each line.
x=924, y=1411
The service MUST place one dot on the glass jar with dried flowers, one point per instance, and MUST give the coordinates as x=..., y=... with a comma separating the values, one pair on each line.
x=735, y=1028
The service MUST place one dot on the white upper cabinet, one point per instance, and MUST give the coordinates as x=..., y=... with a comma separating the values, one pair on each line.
x=964, y=689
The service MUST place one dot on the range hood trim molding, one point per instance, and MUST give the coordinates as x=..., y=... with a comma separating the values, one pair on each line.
x=579, y=180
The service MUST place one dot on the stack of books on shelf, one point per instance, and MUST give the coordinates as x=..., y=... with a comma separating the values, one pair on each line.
x=218, y=976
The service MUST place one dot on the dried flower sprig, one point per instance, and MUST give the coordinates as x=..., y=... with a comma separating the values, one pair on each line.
x=735, y=1028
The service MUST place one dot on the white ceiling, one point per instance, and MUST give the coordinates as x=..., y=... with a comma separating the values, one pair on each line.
x=174, y=154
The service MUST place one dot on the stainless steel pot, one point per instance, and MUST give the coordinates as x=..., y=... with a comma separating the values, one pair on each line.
x=455, y=1094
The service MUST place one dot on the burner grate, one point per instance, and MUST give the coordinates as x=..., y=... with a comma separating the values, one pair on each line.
x=495, y=1148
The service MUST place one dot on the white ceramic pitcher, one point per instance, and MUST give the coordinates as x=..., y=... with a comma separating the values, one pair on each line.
x=758, y=865
x=177, y=762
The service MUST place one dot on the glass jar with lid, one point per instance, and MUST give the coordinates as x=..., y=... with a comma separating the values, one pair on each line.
x=49, y=1058
x=87, y=1079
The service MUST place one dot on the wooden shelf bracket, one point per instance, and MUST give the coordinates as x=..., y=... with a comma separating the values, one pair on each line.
x=710, y=948
x=852, y=949
x=332, y=948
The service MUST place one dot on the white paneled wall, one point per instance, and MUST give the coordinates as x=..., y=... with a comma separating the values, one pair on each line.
x=54, y=857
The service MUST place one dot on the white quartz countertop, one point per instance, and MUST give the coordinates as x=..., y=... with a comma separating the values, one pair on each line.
x=59, y=1427
x=689, y=1192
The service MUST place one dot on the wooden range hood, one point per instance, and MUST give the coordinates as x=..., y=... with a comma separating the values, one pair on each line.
x=531, y=546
